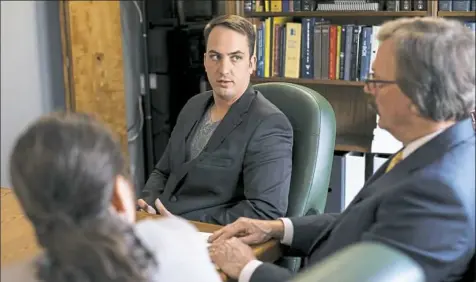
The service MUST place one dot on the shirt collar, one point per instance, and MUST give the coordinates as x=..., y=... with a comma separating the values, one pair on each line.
x=415, y=144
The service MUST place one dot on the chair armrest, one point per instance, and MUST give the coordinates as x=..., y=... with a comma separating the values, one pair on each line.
x=370, y=262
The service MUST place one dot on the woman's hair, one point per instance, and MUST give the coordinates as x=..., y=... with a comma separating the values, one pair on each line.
x=63, y=169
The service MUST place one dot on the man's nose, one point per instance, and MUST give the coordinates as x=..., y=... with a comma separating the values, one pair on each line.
x=225, y=66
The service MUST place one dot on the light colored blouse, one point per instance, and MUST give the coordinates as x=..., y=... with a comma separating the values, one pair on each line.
x=178, y=247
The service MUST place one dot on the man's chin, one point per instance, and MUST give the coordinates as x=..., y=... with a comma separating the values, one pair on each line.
x=224, y=93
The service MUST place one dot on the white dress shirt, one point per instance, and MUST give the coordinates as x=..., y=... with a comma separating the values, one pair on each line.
x=247, y=272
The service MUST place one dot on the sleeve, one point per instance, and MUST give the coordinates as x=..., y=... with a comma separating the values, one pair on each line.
x=288, y=231
x=179, y=249
x=409, y=223
x=155, y=185
x=157, y=180
x=267, y=272
x=306, y=229
x=267, y=171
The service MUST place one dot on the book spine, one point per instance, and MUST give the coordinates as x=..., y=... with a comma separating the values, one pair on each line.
x=325, y=52
x=307, y=68
x=461, y=5
x=365, y=55
x=342, y=52
x=332, y=51
x=348, y=51
x=317, y=50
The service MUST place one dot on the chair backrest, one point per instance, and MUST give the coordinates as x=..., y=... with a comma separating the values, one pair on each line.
x=369, y=262
x=314, y=125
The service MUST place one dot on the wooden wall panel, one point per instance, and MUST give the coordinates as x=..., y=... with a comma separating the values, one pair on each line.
x=355, y=119
x=93, y=31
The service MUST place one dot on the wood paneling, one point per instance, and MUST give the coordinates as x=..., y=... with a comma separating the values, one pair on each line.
x=92, y=30
x=355, y=121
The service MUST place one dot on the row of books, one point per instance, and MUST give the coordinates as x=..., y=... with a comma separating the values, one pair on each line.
x=457, y=5
x=335, y=5
x=314, y=49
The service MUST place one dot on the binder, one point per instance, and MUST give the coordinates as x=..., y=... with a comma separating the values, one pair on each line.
x=347, y=179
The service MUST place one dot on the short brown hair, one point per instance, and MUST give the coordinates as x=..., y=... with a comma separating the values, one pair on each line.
x=236, y=23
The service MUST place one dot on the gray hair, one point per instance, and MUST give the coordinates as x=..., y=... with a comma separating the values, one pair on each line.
x=435, y=61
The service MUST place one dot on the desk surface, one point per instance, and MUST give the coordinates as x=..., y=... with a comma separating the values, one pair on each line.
x=18, y=240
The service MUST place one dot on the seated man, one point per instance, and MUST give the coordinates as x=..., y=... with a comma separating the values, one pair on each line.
x=230, y=153
x=422, y=201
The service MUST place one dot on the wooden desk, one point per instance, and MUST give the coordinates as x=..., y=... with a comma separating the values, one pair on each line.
x=18, y=240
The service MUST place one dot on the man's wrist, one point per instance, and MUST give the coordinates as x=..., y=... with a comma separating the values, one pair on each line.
x=277, y=229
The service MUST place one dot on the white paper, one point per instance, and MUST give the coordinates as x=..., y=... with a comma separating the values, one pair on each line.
x=205, y=236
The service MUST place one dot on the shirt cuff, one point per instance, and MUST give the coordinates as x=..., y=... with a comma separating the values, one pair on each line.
x=288, y=231
x=247, y=271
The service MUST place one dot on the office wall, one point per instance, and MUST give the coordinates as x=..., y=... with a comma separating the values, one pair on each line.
x=31, y=69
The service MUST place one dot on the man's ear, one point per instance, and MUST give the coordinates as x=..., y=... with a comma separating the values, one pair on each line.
x=252, y=64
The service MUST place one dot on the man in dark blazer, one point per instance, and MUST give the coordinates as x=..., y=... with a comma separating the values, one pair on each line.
x=230, y=153
x=421, y=201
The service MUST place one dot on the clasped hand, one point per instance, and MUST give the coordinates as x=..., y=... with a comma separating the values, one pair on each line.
x=149, y=209
x=229, y=248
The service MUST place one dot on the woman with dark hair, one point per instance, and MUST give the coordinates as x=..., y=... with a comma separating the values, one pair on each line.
x=70, y=178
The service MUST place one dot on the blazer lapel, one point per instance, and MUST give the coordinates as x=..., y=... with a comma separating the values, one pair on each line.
x=190, y=122
x=231, y=120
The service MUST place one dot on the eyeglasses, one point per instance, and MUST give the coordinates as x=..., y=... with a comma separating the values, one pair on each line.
x=372, y=83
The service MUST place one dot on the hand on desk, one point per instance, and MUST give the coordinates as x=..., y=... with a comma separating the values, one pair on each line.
x=158, y=206
x=249, y=231
x=231, y=256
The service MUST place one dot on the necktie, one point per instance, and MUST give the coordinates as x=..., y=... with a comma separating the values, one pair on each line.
x=395, y=160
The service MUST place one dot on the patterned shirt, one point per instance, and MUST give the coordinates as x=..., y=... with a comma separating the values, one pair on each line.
x=202, y=133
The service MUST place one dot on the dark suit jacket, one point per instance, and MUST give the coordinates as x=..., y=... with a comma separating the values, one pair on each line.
x=243, y=171
x=424, y=207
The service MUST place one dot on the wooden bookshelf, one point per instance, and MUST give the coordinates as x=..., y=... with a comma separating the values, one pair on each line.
x=457, y=14
x=355, y=121
x=338, y=14
x=308, y=81
x=351, y=148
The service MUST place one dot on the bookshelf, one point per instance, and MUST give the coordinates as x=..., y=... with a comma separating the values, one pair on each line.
x=390, y=14
x=355, y=121
x=307, y=81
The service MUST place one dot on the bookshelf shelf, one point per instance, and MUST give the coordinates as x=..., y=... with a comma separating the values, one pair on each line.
x=351, y=148
x=307, y=81
x=338, y=14
x=457, y=14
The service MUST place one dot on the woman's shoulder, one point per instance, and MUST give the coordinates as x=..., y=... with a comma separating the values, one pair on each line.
x=180, y=249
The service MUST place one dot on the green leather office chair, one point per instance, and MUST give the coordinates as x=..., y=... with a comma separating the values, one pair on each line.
x=364, y=262
x=314, y=124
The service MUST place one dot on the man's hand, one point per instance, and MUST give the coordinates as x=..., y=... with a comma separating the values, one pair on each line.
x=231, y=256
x=149, y=209
x=250, y=231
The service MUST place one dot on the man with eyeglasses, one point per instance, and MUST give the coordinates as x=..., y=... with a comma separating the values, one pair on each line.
x=422, y=201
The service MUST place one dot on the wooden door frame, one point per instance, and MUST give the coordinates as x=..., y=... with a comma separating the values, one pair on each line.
x=66, y=54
